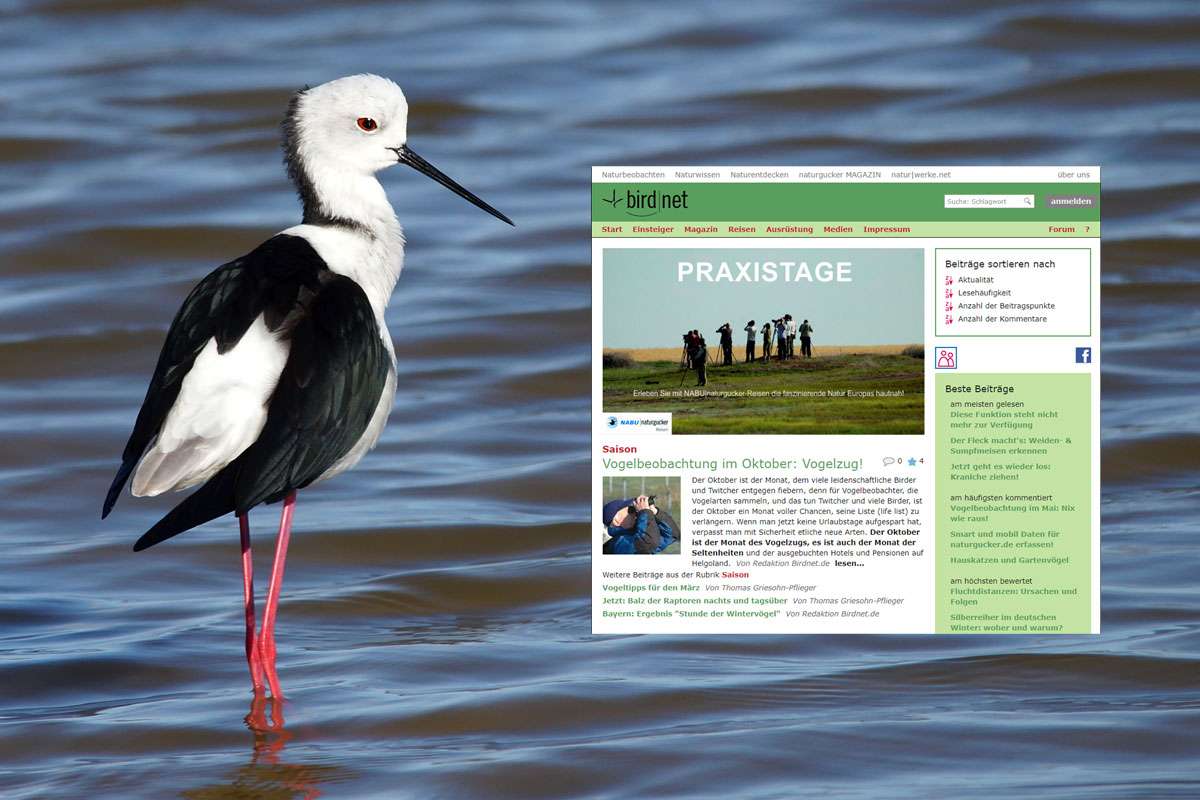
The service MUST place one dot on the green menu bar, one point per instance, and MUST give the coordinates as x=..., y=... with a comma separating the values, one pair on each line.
x=818, y=230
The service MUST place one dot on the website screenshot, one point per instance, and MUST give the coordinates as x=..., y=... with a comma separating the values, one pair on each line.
x=846, y=400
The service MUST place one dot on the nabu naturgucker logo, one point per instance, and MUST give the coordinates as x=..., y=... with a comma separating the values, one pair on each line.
x=638, y=203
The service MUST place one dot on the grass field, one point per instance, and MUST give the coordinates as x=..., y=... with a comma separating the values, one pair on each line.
x=761, y=398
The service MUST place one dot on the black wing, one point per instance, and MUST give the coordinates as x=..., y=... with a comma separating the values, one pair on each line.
x=272, y=280
x=328, y=391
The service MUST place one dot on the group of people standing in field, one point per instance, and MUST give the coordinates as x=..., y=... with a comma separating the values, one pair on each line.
x=779, y=334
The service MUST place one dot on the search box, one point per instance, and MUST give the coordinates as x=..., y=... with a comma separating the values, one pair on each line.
x=989, y=201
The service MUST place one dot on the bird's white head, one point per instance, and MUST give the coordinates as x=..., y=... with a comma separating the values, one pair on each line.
x=349, y=129
x=355, y=123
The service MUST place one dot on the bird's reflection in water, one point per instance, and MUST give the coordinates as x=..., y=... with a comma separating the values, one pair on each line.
x=267, y=775
x=270, y=735
x=265, y=721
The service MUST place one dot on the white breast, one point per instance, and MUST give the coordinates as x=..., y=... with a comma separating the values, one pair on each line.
x=373, y=261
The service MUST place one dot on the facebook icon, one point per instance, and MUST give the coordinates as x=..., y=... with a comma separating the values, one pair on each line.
x=1083, y=355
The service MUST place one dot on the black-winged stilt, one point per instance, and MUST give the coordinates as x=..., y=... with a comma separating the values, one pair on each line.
x=278, y=370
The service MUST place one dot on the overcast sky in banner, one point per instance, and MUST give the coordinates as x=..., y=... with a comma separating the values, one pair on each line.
x=645, y=304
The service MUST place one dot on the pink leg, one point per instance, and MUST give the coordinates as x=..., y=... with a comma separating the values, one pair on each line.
x=266, y=639
x=252, y=657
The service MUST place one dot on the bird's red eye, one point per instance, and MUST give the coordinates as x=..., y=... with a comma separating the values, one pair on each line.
x=367, y=124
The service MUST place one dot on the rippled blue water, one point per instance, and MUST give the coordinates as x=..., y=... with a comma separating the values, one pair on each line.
x=434, y=633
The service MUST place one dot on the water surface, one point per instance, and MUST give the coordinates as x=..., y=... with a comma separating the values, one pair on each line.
x=434, y=630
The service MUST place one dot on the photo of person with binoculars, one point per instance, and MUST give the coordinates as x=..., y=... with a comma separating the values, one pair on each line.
x=644, y=524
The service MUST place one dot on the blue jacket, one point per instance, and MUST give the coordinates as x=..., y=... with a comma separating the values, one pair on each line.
x=624, y=539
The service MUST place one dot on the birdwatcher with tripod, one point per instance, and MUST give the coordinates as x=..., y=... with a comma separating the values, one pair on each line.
x=685, y=357
x=726, y=332
x=697, y=357
x=806, y=332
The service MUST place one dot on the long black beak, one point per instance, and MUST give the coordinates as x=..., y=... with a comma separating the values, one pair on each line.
x=407, y=156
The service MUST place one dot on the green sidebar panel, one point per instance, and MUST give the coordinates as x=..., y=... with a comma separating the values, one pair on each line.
x=1013, y=501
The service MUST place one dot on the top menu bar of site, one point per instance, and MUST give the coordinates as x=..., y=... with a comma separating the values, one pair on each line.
x=872, y=202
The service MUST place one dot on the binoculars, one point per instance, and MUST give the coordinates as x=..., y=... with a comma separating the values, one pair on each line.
x=650, y=499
